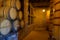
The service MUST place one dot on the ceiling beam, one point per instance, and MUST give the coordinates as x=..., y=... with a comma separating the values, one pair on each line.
x=37, y=1
x=40, y=4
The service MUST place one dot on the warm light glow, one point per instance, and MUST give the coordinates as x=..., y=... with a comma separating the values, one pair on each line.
x=43, y=10
x=48, y=14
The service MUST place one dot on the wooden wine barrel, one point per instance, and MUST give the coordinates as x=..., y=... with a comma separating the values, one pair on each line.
x=16, y=24
x=20, y=15
x=1, y=3
x=12, y=13
x=56, y=32
x=55, y=1
x=10, y=3
x=13, y=2
x=18, y=4
x=7, y=3
x=1, y=11
x=57, y=13
x=5, y=27
x=56, y=20
x=22, y=24
x=57, y=4
x=6, y=10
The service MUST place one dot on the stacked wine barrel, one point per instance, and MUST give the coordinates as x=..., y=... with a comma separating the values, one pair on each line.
x=56, y=19
x=51, y=27
x=21, y=19
x=10, y=16
x=1, y=3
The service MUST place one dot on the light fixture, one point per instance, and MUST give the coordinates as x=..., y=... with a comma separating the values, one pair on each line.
x=43, y=10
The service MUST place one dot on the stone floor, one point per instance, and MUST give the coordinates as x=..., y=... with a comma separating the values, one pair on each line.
x=37, y=35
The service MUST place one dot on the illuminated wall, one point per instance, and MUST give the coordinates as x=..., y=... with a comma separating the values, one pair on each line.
x=40, y=17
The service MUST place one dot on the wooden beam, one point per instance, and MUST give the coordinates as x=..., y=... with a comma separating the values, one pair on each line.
x=40, y=4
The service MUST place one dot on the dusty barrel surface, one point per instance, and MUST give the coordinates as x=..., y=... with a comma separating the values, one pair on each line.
x=1, y=3
x=22, y=24
x=20, y=15
x=18, y=4
x=5, y=27
x=9, y=3
x=1, y=11
x=57, y=4
x=16, y=24
x=56, y=19
x=12, y=13
x=13, y=3
x=6, y=10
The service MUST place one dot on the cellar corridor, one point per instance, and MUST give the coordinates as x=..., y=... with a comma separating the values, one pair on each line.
x=37, y=34
x=29, y=19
